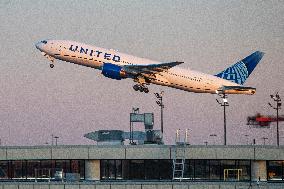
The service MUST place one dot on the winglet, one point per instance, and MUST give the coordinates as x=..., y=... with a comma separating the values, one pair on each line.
x=240, y=71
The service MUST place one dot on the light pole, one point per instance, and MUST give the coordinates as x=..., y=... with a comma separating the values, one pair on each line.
x=276, y=99
x=224, y=104
x=264, y=138
x=52, y=136
x=56, y=137
x=52, y=139
x=160, y=103
x=213, y=135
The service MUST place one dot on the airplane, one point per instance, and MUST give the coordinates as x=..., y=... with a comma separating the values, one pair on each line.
x=116, y=65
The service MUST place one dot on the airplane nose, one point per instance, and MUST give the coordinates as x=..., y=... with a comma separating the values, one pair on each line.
x=39, y=45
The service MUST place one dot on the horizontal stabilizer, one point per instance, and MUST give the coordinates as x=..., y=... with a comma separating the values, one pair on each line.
x=236, y=90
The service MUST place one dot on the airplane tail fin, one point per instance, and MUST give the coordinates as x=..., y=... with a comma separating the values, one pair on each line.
x=240, y=71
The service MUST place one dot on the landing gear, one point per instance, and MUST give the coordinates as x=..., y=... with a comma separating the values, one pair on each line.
x=141, y=88
x=51, y=65
x=136, y=87
x=146, y=90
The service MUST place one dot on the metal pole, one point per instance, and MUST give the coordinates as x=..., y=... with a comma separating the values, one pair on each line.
x=130, y=129
x=225, y=127
x=277, y=117
x=162, y=107
x=276, y=99
x=56, y=137
x=224, y=104
x=160, y=103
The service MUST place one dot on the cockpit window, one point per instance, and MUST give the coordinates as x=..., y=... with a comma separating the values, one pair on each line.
x=44, y=41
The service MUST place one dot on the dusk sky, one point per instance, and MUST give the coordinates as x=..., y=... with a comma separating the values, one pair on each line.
x=71, y=100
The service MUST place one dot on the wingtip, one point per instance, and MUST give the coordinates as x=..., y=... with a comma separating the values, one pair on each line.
x=260, y=53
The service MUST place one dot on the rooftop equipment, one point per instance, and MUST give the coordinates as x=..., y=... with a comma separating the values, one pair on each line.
x=117, y=137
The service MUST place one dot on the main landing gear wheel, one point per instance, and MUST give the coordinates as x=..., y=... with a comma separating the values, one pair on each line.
x=51, y=65
x=146, y=90
x=136, y=87
x=141, y=88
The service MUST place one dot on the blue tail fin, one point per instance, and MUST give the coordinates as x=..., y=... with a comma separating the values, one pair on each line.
x=240, y=71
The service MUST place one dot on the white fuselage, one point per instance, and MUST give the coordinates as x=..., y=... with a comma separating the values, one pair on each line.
x=95, y=57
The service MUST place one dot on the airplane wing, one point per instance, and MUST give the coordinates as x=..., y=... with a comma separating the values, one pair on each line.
x=149, y=69
x=236, y=90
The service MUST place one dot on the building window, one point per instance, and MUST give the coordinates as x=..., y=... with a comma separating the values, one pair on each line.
x=275, y=170
x=235, y=170
x=215, y=171
x=111, y=169
x=17, y=169
x=32, y=167
x=104, y=169
x=40, y=169
x=118, y=169
x=108, y=169
x=152, y=169
x=245, y=166
x=201, y=169
x=137, y=170
x=4, y=169
x=125, y=169
x=166, y=169
x=189, y=169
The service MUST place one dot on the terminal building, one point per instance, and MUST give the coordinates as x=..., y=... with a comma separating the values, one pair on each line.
x=132, y=165
x=144, y=164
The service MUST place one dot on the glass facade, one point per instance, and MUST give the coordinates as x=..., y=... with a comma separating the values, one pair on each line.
x=150, y=169
x=136, y=169
x=40, y=169
x=212, y=170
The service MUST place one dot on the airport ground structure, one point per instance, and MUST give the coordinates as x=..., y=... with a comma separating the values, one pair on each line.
x=141, y=167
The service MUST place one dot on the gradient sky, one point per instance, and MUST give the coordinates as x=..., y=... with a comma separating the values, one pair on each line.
x=71, y=100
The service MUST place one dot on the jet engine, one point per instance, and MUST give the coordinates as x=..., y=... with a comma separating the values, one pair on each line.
x=113, y=71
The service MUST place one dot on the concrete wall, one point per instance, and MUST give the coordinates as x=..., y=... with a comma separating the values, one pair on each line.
x=92, y=169
x=141, y=152
x=156, y=185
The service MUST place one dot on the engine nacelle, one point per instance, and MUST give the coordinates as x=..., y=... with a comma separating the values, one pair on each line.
x=113, y=71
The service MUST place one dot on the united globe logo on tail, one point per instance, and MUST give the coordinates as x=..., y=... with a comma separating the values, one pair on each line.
x=239, y=72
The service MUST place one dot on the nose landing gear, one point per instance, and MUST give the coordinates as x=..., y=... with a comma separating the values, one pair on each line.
x=141, y=88
x=50, y=58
